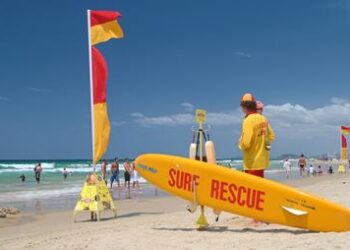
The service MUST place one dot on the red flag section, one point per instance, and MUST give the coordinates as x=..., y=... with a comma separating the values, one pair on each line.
x=101, y=17
x=343, y=142
x=100, y=75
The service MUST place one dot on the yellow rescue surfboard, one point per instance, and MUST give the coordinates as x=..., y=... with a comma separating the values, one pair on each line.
x=239, y=193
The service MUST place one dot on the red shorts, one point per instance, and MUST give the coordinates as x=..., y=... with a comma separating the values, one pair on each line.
x=259, y=173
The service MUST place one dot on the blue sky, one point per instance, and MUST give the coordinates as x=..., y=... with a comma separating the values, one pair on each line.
x=176, y=56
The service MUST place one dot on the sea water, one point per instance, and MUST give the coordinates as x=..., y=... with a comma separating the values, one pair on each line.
x=56, y=193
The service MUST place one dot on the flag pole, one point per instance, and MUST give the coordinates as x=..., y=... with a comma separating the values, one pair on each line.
x=91, y=89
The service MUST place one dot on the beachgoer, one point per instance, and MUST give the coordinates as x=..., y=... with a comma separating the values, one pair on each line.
x=319, y=170
x=302, y=164
x=260, y=110
x=311, y=171
x=255, y=139
x=65, y=173
x=259, y=107
x=22, y=177
x=37, y=171
x=330, y=170
x=115, y=172
x=135, y=176
x=127, y=171
x=287, y=165
x=104, y=170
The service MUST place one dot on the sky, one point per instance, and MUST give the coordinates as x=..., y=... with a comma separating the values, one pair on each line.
x=176, y=56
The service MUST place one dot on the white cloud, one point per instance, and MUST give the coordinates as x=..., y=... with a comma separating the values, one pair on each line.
x=243, y=54
x=39, y=90
x=284, y=117
x=171, y=120
x=189, y=107
x=118, y=123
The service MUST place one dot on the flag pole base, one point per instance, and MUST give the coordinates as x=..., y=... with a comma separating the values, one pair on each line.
x=202, y=221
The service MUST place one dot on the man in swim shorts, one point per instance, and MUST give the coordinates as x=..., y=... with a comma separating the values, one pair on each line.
x=37, y=171
x=115, y=172
x=302, y=164
x=104, y=170
x=127, y=171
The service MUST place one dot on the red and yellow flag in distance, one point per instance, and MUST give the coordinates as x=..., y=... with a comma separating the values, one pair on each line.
x=345, y=130
x=101, y=122
x=104, y=26
x=344, y=145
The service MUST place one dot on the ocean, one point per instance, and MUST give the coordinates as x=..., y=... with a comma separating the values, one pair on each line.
x=55, y=193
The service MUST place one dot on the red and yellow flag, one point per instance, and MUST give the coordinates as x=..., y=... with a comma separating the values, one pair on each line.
x=104, y=26
x=345, y=130
x=344, y=145
x=101, y=124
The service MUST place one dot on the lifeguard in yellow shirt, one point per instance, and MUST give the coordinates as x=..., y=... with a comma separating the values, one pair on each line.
x=257, y=136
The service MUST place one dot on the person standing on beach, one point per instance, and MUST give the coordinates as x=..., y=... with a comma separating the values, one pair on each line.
x=255, y=139
x=37, y=172
x=135, y=176
x=302, y=164
x=104, y=170
x=127, y=171
x=287, y=165
x=115, y=172
x=260, y=110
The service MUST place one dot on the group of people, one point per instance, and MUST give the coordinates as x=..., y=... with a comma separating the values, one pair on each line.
x=129, y=171
x=37, y=173
x=303, y=169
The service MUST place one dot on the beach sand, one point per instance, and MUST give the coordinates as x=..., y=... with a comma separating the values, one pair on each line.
x=163, y=223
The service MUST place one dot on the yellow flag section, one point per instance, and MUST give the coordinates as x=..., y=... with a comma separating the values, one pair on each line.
x=95, y=197
x=104, y=26
x=240, y=193
x=102, y=130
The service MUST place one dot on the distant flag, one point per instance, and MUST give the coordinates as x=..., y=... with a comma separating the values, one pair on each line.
x=344, y=146
x=102, y=26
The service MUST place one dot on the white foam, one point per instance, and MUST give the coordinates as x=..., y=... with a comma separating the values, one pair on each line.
x=36, y=194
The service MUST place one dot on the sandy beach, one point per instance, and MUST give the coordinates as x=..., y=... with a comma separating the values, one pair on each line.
x=163, y=223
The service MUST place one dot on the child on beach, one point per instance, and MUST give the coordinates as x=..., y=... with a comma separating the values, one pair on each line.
x=135, y=177
x=319, y=170
x=311, y=171
x=330, y=170
x=287, y=165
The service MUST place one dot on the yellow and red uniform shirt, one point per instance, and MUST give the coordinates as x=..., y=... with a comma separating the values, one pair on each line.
x=256, y=132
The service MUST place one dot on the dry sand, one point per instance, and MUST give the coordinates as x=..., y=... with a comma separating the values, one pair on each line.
x=163, y=223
